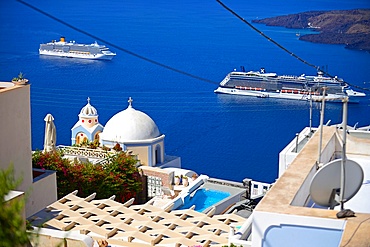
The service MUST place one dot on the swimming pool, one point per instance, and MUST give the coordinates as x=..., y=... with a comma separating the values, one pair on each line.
x=204, y=198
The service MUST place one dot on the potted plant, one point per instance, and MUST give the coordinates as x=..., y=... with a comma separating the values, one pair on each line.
x=20, y=79
x=117, y=147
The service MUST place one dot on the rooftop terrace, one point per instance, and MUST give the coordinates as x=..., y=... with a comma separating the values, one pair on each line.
x=289, y=196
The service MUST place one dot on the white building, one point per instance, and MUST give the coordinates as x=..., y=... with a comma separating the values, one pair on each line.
x=287, y=216
x=132, y=129
x=15, y=149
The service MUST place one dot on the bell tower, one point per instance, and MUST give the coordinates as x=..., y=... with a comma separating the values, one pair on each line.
x=88, y=128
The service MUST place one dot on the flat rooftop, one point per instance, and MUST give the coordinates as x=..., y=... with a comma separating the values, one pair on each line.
x=290, y=193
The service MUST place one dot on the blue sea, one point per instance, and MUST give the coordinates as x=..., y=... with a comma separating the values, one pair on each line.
x=223, y=136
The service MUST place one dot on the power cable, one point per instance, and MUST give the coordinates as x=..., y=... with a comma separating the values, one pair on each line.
x=172, y=68
x=267, y=37
x=282, y=47
x=116, y=46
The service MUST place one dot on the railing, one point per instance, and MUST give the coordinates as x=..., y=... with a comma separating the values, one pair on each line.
x=259, y=189
x=86, y=152
x=101, y=155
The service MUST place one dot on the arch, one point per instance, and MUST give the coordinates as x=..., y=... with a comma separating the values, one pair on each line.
x=81, y=137
x=78, y=140
x=97, y=135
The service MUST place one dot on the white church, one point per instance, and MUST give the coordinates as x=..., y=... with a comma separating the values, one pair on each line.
x=132, y=129
x=137, y=134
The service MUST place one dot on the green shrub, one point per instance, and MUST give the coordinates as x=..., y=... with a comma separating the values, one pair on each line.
x=12, y=225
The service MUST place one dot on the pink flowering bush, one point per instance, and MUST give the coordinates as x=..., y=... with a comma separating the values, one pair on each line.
x=119, y=177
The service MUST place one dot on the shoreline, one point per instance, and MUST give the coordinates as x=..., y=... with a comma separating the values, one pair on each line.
x=350, y=28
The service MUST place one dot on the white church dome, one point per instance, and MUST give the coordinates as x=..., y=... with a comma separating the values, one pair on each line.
x=130, y=125
x=88, y=110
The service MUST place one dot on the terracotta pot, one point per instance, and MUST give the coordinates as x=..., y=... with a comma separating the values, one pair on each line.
x=21, y=82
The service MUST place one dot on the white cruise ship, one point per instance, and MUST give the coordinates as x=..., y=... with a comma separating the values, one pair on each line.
x=303, y=87
x=74, y=50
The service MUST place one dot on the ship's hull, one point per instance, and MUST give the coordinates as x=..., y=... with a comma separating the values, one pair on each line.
x=77, y=55
x=283, y=94
x=271, y=85
x=75, y=50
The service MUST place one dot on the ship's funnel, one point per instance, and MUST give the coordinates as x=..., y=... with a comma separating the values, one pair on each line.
x=62, y=39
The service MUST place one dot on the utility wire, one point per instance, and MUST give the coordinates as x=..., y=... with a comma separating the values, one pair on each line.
x=172, y=68
x=282, y=47
x=267, y=37
x=116, y=46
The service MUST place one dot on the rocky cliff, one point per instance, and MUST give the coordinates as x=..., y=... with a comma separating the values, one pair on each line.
x=348, y=27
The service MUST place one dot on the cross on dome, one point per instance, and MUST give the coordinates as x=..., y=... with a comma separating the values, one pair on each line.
x=130, y=102
x=88, y=110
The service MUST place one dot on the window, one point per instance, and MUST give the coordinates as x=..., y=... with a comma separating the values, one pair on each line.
x=154, y=186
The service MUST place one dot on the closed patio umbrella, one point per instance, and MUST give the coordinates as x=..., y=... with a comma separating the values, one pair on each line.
x=50, y=134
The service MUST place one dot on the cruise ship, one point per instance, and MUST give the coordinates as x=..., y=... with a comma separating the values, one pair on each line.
x=303, y=87
x=74, y=50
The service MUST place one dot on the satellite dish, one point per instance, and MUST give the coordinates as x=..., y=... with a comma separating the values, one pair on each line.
x=325, y=184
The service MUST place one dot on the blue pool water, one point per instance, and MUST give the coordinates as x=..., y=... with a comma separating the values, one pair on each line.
x=204, y=198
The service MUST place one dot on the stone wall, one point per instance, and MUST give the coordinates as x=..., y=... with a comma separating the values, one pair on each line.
x=166, y=176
